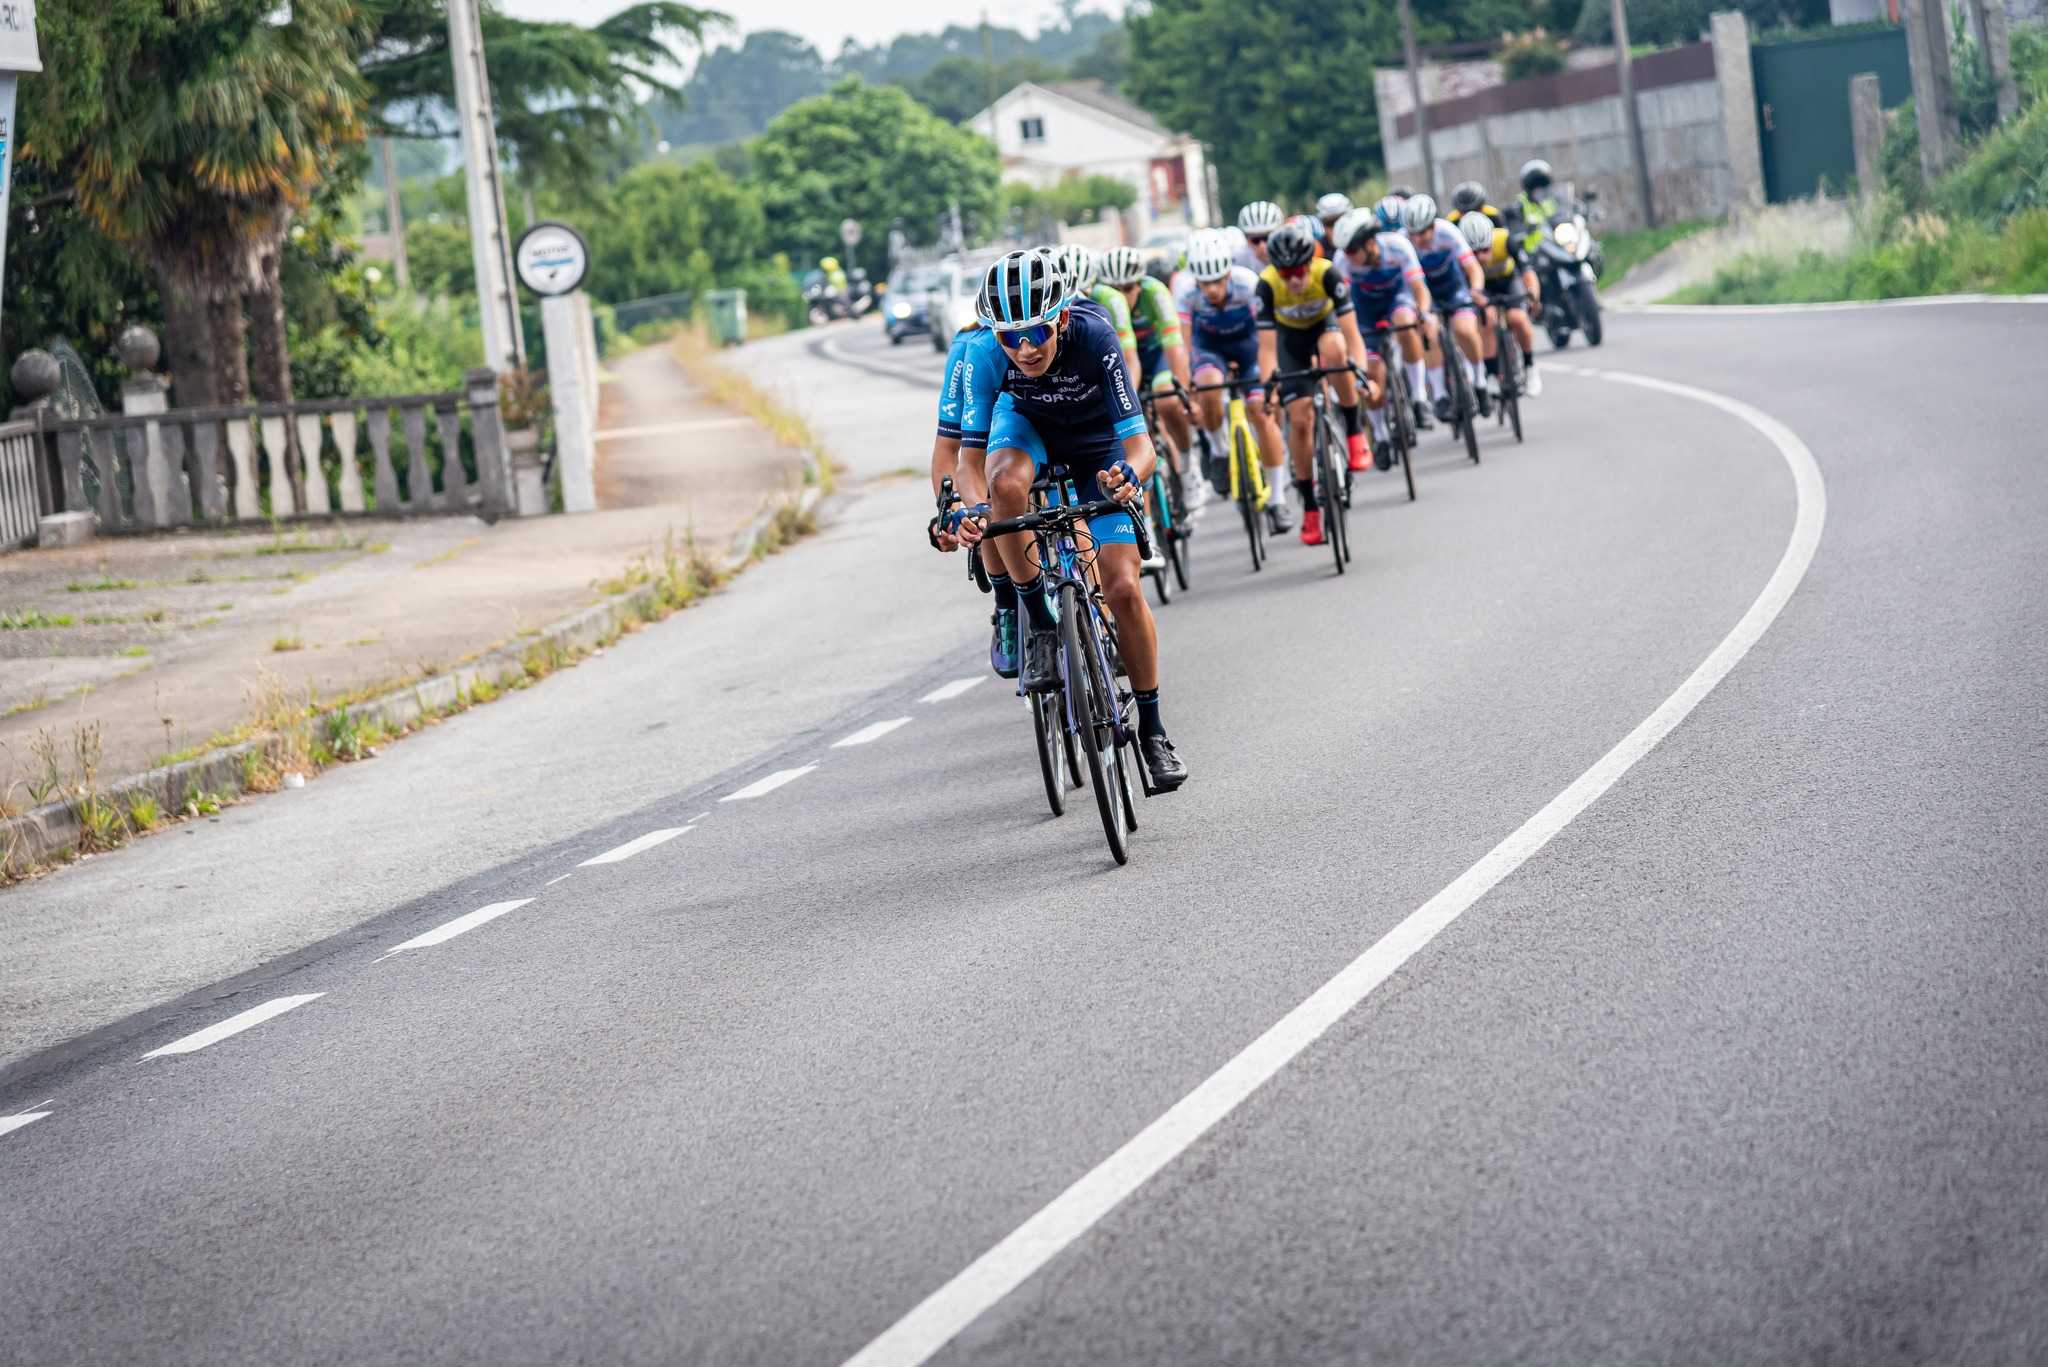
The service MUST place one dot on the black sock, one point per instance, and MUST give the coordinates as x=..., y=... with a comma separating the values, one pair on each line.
x=1350, y=412
x=1307, y=489
x=1148, y=713
x=1036, y=605
x=1493, y=366
x=1004, y=590
x=1528, y=360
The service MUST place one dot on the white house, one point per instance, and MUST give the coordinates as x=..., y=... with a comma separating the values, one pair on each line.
x=1048, y=133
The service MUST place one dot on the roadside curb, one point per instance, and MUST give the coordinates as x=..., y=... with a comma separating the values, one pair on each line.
x=1832, y=305
x=55, y=828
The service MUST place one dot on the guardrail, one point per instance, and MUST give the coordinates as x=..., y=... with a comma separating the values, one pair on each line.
x=398, y=455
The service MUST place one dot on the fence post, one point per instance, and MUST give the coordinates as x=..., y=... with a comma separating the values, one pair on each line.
x=571, y=387
x=1866, y=129
x=487, y=430
x=36, y=376
x=1737, y=81
x=159, y=489
x=1988, y=19
x=1934, y=104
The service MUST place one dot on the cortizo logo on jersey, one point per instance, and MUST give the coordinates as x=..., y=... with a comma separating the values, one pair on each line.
x=1112, y=364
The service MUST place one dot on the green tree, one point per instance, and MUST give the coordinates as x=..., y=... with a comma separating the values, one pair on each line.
x=570, y=100
x=191, y=132
x=873, y=154
x=666, y=228
x=956, y=88
x=1682, y=21
x=735, y=90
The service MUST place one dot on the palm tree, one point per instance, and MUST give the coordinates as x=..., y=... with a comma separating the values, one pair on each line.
x=192, y=131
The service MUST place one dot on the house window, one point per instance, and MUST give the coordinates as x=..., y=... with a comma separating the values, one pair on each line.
x=1031, y=130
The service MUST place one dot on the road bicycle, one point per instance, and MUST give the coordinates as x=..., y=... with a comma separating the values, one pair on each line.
x=1400, y=402
x=1464, y=403
x=1247, y=478
x=1092, y=704
x=1509, y=358
x=1168, y=509
x=1330, y=460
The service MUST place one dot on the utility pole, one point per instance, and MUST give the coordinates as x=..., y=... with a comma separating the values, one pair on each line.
x=394, y=218
x=489, y=242
x=1415, y=92
x=1624, y=70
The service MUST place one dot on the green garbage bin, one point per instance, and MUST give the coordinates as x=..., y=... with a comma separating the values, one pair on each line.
x=728, y=316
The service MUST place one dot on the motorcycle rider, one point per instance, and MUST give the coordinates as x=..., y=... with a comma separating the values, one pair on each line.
x=1536, y=205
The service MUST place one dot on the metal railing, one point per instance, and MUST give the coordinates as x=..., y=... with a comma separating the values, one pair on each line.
x=399, y=455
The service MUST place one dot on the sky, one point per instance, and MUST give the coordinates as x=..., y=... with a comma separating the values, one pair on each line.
x=825, y=23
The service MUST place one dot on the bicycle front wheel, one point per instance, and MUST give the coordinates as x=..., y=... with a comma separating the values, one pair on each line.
x=1248, y=495
x=1162, y=534
x=1464, y=407
x=1333, y=466
x=1091, y=698
x=1511, y=382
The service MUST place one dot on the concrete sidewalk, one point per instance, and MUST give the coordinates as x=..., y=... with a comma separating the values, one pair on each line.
x=161, y=643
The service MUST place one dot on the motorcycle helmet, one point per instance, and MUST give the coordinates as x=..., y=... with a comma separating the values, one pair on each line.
x=1418, y=214
x=1290, y=246
x=1467, y=196
x=1535, y=177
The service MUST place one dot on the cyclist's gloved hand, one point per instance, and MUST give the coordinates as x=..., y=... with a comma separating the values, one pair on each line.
x=1120, y=481
x=964, y=523
x=941, y=539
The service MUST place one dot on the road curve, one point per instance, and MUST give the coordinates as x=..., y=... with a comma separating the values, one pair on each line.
x=1741, y=1064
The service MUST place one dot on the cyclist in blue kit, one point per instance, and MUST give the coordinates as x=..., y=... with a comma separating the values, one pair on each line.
x=1043, y=383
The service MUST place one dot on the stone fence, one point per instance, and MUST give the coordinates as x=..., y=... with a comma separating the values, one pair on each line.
x=151, y=471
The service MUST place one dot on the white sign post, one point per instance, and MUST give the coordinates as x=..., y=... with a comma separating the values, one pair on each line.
x=552, y=259
x=18, y=57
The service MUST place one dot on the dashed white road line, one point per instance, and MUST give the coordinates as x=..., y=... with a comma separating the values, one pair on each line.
x=761, y=787
x=10, y=1123
x=634, y=846
x=934, y=1322
x=461, y=925
x=870, y=733
x=947, y=692
x=234, y=1025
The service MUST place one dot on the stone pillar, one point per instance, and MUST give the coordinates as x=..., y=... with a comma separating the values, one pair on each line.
x=1987, y=20
x=572, y=387
x=158, y=488
x=1934, y=105
x=1737, y=82
x=1866, y=127
x=36, y=377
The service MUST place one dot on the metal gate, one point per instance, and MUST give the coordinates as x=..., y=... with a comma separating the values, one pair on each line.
x=1802, y=98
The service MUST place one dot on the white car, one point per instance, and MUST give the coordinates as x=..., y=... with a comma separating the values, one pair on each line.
x=950, y=303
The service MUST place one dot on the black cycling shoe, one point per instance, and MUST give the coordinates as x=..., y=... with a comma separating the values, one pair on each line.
x=1485, y=405
x=1383, y=454
x=1279, y=521
x=1166, y=768
x=1423, y=422
x=1041, y=660
x=1443, y=409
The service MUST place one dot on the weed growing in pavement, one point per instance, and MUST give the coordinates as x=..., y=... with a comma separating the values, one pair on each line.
x=51, y=778
x=693, y=350
x=143, y=812
x=351, y=736
x=485, y=689
x=104, y=584
x=135, y=652
x=543, y=658
x=200, y=802
x=791, y=522
x=280, y=645
x=39, y=698
x=101, y=826
x=30, y=620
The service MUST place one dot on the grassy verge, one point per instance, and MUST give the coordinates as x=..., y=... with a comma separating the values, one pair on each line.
x=1623, y=252
x=1924, y=254
x=694, y=351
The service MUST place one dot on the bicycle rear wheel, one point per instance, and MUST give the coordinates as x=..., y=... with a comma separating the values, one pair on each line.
x=1464, y=407
x=1161, y=532
x=1511, y=382
x=1248, y=496
x=1329, y=465
x=1177, y=545
x=1403, y=428
x=1045, y=725
x=1091, y=698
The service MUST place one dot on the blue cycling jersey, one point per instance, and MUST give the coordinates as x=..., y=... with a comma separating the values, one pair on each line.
x=1084, y=400
x=1237, y=316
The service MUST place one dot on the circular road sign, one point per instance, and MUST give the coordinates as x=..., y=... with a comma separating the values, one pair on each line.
x=849, y=232
x=552, y=258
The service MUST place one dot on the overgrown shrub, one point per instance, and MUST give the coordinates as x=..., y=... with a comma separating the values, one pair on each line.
x=1534, y=53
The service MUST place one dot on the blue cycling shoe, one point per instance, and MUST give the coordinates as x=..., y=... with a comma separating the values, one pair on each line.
x=1002, y=644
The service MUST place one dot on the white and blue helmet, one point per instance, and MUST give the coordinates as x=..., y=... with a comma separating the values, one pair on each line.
x=1021, y=289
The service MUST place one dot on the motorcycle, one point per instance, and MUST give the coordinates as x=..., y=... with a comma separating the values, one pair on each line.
x=1568, y=261
x=822, y=302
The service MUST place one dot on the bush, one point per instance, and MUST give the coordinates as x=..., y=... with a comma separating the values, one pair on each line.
x=429, y=345
x=772, y=290
x=1534, y=53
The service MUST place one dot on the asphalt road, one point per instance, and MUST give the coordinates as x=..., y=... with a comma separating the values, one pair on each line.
x=1743, y=1064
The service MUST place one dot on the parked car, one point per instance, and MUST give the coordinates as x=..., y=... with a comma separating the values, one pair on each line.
x=905, y=308
x=949, y=303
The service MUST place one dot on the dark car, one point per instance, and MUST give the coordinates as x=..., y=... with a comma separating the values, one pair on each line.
x=905, y=306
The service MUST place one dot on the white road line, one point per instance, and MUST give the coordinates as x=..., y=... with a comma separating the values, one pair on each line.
x=461, y=925
x=10, y=1123
x=762, y=787
x=870, y=733
x=633, y=847
x=562, y=879
x=234, y=1025
x=988, y=1279
x=664, y=429
x=1834, y=306
x=948, y=692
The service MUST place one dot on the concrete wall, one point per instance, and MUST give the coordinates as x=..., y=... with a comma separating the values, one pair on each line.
x=1575, y=122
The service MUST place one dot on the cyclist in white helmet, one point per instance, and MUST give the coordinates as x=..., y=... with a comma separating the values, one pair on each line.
x=1256, y=221
x=1454, y=282
x=1155, y=330
x=1219, y=312
x=1330, y=208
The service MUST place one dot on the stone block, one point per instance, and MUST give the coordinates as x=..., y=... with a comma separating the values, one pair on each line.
x=64, y=529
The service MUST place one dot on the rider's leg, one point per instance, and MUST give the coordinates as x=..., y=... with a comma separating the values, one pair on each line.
x=1173, y=417
x=1434, y=340
x=1300, y=432
x=1465, y=326
x=1411, y=353
x=1137, y=638
x=1010, y=473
